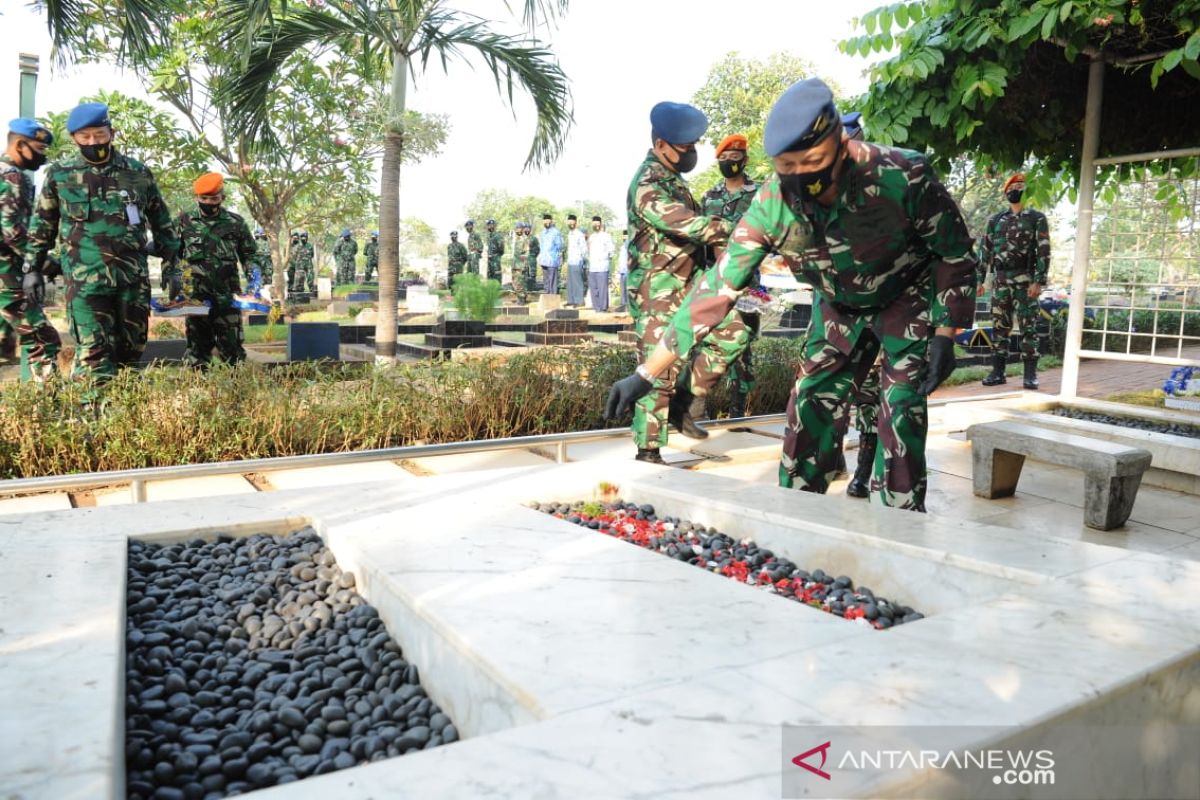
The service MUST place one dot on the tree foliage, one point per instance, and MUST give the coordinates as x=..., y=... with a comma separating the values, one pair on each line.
x=1005, y=81
x=508, y=209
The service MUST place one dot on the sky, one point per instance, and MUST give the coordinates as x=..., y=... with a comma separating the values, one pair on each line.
x=621, y=56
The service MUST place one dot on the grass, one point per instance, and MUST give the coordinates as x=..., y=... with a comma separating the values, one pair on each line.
x=975, y=374
x=1152, y=398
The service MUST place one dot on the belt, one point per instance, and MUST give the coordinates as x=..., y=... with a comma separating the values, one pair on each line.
x=855, y=311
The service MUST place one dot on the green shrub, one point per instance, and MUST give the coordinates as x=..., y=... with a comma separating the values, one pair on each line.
x=475, y=298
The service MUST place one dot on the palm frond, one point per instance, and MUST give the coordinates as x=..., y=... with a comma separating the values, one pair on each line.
x=68, y=24
x=512, y=61
x=538, y=11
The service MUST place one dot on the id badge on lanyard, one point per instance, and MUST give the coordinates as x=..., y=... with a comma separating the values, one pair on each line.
x=131, y=210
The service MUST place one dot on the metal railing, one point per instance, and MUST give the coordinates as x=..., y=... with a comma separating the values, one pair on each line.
x=137, y=478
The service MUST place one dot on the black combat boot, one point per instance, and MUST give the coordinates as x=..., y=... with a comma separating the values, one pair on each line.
x=737, y=403
x=1031, y=381
x=860, y=484
x=649, y=455
x=997, y=375
x=679, y=413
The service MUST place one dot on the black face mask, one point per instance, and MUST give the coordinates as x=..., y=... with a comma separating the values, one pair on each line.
x=732, y=169
x=96, y=153
x=1014, y=195
x=687, y=159
x=34, y=160
x=811, y=185
x=209, y=210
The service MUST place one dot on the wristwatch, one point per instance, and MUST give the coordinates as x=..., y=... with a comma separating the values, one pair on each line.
x=645, y=373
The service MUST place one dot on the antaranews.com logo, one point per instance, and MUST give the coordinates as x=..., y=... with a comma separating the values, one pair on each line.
x=1009, y=767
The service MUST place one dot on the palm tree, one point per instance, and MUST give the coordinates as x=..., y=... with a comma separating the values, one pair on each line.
x=398, y=38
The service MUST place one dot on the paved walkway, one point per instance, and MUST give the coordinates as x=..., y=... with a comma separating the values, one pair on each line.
x=1097, y=379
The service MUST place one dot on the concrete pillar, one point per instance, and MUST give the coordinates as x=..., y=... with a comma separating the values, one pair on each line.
x=29, y=75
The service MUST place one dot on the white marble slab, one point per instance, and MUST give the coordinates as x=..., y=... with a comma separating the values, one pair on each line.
x=35, y=502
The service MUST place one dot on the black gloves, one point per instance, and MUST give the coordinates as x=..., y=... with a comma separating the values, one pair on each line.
x=939, y=365
x=34, y=287
x=174, y=286
x=624, y=394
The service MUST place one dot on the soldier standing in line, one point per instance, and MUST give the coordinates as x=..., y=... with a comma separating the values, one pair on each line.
x=474, y=247
x=101, y=205
x=667, y=237
x=1016, y=248
x=495, y=251
x=535, y=247
x=292, y=259
x=212, y=242
x=306, y=272
x=520, y=262
x=456, y=259
x=262, y=258
x=371, y=254
x=890, y=260
x=343, y=256
x=21, y=312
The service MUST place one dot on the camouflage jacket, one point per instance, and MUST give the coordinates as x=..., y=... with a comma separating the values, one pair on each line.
x=210, y=249
x=474, y=243
x=102, y=213
x=891, y=225
x=535, y=248
x=495, y=244
x=667, y=232
x=1016, y=246
x=262, y=252
x=521, y=249
x=302, y=255
x=720, y=202
x=456, y=254
x=371, y=252
x=345, y=249
x=16, y=204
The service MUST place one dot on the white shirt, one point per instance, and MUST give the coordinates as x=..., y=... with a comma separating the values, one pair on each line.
x=600, y=251
x=576, y=247
x=623, y=259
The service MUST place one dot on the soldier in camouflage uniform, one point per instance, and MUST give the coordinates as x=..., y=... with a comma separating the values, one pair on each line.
x=495, y=251
x=102, y=205
x=535, y=248
x=1016, y=248
x=474, y=247
x=371, y=254
x=306, y=273
x=22, y=314
x=292, y=257
x=343, y=255
x=889, y=258
x=456, y=259
x=520, y=263
x=212, y=242
x=262, y=258
x=667, y=237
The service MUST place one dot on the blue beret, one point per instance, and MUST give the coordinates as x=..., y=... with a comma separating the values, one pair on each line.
x=31, y=129
x=677, y=123
x=374, y=233
x=87, y=115
x=801, y=118
x=345, y=231
x=491, y=222
x=852, y=122
x=259, y=231
x=469, y=222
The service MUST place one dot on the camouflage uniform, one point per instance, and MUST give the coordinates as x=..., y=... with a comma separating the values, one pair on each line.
x=535, y=248
x=211, y=248
x=262, y=260
x=306, y=276
x=495, y=251
x=101, y=213
x=371, y=253
x=667, y=236
x=343, y=255
x=37, y=338
x=456, y=260
x=727, y=348
x=891, y=258
x=1016, y=248
x=520, y=263
x=293, y=252
x=474, y=250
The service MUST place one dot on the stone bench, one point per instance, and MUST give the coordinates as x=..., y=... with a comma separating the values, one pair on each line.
x=1114, y=471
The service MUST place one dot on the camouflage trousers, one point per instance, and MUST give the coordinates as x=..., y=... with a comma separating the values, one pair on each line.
x=494, y=272
x=37, y=338
x=473, y=263
x=110, y=325
x=840, y=354
x=654, y=297
x=222, y=330
x=345, y=270
x=372, y=266
x=866, y=402
x=291, y=278
x=715, y=354
x=1007, y=299
x=532, y=284
x=520, y=280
